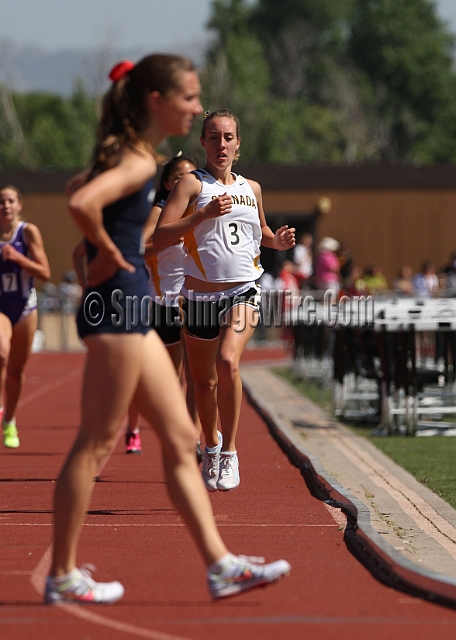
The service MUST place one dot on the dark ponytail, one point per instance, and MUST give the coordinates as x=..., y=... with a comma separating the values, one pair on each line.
x=124, y=109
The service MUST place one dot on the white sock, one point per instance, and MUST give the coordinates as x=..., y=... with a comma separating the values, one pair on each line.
x=223, y=564
x=59, y=580
x=212, y=449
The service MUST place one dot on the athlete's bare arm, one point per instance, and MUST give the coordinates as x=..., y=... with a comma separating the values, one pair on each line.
x=149, y=230
x=87, y=203
x=37, y=265
x=283, y=238
x=79, y=256
x=172, y=225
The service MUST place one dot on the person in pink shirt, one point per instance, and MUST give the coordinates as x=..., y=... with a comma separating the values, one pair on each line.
x=327, y=272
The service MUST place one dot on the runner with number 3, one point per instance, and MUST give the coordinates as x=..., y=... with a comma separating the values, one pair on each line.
x=220, y=215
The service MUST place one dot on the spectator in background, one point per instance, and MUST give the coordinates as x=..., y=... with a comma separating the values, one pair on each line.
x=355, y=284
x=287, y=277
x=345, y=264
x=403, y=283
x=449, y=271
x=426, y=282
x=289, y=285
x=375, y=279
x=268, y=282
x=444, y=283
x=327, y=271
x=49, y=298
x=303, y=259
x=69, y=292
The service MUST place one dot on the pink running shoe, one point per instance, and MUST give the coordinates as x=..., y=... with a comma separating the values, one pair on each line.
x=133, y=442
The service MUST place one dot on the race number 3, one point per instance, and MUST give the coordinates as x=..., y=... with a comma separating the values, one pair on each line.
x=9, y=282
x=233, y=234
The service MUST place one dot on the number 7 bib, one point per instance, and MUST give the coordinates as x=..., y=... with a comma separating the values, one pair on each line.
x=9, y=282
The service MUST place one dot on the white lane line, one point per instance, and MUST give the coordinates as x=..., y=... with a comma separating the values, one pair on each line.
x=50, y=386
x=41, y=571
x=38, y=581
x=133, y=524
x=16, y=573
x=38, y=577
x=125, y=627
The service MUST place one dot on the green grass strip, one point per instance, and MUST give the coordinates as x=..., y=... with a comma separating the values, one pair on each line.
x=431, y=460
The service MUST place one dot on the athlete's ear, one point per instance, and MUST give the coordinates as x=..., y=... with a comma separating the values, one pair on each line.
x=154, y=100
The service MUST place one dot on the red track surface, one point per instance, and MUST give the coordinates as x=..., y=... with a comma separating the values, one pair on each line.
x=133, y=534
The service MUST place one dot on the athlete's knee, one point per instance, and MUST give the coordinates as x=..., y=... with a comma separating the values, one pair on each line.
x=15, y=370
x=204, y=387
x=97, y=447
x=4, y=352
x=3, y=360
x=228, y=365
x=181, y=444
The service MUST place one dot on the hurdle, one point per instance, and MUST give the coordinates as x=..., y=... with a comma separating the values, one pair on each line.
x=394, y=365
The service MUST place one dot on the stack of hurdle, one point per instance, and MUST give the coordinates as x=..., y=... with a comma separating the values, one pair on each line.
x=393, y=362
x=417, y=344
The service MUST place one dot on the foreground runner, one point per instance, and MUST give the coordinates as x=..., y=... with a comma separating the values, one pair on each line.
x=126, y=361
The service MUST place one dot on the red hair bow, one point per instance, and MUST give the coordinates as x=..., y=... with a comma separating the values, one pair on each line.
x=120, y=70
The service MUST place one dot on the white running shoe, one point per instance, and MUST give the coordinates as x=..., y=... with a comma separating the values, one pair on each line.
x=244, y=573
x=80, y=587
x=211, y=465
x=228, y=471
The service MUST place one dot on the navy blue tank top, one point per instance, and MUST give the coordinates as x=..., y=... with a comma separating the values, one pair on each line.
x=120, y=304
x=124, y=221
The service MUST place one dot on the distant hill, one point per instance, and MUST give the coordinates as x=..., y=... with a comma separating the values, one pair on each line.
x=27, y=69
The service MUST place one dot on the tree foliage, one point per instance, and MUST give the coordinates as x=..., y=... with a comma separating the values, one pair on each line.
x=45, y=131
x=312, y=81
x=349, y=81
x=407, y=57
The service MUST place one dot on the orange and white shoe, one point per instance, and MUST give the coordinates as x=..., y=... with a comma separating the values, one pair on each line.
x=234, y=574
x=79, y=586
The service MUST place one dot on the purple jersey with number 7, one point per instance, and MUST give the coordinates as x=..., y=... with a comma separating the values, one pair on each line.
x=16, y=286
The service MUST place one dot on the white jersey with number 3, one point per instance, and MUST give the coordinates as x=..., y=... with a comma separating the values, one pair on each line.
x=227, y=248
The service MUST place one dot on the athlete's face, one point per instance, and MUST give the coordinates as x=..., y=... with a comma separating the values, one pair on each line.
x=221, y=142
x=177, y=172
x=10, y=205
x=178, y=109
